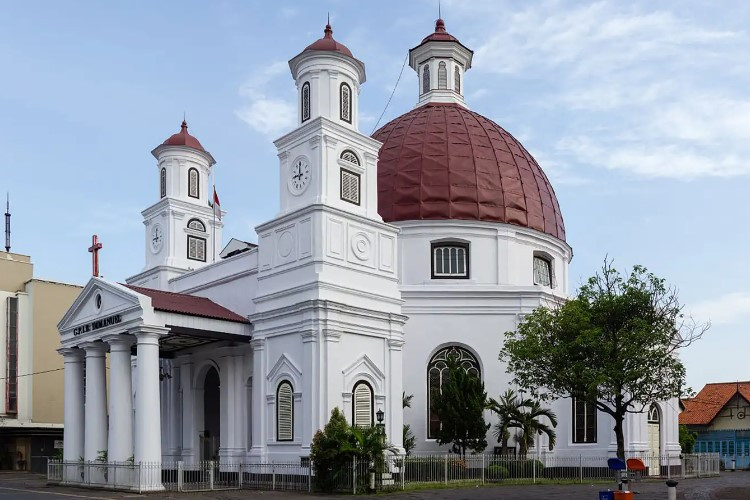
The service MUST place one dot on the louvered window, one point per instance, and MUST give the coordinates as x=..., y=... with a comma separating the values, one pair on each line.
x=305, y=101
x=196, y=248
x=284, y=412
x=542, y=271
x=426, y=79
x=442, y=76
x=457, y=79
x=362, y=405
x=163, y=182
x=346, y=102
x=197, y=225
x=193, y=178
x=450, y=260
x=349, y=186
x=437, y=371
x=349, y=156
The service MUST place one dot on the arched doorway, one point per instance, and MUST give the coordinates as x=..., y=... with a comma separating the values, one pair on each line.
x=211, y=434
x=654, y=439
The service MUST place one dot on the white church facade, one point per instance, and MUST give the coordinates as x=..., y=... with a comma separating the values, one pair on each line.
x=388, y=254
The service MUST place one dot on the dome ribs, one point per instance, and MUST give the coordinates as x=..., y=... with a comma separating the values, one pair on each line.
x=443, y=161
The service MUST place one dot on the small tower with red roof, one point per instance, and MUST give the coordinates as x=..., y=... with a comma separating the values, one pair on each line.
x=440, y=62
x=181, y=231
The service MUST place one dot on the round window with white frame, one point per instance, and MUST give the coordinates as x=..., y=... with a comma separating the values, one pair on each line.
x=98, y=301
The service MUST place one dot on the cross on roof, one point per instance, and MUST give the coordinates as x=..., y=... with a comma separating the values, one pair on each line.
x=94, y=249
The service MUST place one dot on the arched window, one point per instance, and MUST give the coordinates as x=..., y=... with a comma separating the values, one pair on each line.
x=457, y=79
x=193, y=178
x=197, y=225
x=584, y=421
x=542, y=271
x=653, y=415
x=305, y=101
x=163, y=182
x=442, y=76
x=284, y=412
x=437, y=370
x=426, y=79
x=362, y=405
x=349, y=156
x=450, y=260
x=345, y=93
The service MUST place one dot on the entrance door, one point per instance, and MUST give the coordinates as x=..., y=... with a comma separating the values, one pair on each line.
x=210, y=437
x=654, y=440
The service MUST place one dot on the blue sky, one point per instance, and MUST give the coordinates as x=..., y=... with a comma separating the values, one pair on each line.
x=637, y=111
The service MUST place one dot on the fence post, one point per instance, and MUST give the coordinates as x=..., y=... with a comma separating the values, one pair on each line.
x=180, y=480
x=309, y=476
x=482, y=468
x=403, y=473
x=669, y=466
x=211, y=475
x=533, y=469
x=580, y=466
x=240, y=478
x=354, y=475
x=446, y=468
x=273, y=477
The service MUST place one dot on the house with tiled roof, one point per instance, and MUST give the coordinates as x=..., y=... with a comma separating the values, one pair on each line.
x=720, y=415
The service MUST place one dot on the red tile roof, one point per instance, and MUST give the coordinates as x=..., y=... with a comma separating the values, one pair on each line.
x=327, y=43
x=443, y=161
x=192, y=305
x=183, y=138
x=706, y=405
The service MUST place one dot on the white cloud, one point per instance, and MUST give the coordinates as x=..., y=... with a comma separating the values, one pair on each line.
x=727, y=309
x=273, y=114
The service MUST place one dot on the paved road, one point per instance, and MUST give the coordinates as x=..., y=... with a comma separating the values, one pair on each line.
x=730, y=486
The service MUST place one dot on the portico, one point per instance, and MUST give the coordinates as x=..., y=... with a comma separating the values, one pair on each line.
x=145, y=332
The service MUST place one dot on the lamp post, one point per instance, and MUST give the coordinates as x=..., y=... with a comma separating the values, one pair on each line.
x=380, y=414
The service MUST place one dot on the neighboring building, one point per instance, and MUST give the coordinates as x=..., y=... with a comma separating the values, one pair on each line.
x=720, y=415
x=388, y=255
x=31, y=404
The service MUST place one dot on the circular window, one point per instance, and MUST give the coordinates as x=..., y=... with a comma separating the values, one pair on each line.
x=98, y=301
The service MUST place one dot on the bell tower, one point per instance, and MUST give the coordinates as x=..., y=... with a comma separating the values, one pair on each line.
x=182, y=231
x=328, y=306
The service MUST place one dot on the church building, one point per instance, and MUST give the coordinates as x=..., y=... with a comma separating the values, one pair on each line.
x=389, y=255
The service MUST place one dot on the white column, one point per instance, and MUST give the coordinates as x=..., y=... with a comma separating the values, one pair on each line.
x=120, y=398
x=95, y=441
x=239, y=396
x=189, y=433
x=74, y=407
x=259, y=450
x=394, y=421
x=147, y=398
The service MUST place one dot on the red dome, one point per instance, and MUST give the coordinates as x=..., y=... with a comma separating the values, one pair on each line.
x=440, y=35
x=443, y=161
x=183, y=138
x=328, y=43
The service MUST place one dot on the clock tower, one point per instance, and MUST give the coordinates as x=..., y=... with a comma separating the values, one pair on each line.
x=328, y=307
x=182, y=232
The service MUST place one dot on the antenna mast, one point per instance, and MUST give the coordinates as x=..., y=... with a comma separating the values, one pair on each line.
x=7, y=222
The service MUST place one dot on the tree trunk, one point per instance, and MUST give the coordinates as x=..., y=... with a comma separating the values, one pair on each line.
x=619, y=435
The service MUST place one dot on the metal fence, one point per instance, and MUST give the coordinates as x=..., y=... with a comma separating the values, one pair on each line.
x=355, y=475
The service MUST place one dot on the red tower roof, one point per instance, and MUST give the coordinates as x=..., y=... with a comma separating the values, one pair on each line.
x=440, y=35
x=183, y=138
x=443, y=161
x=329, y=44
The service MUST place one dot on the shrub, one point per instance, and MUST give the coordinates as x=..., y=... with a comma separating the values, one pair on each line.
x=497, y=472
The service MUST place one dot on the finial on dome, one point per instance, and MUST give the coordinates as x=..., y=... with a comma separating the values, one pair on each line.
x=184, y=126
x=439, y=26
x=328, y=32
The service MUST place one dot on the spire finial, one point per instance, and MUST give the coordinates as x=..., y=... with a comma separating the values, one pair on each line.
x=7, y=222
x=328, y=32
x=439, y=15
x=184, y=126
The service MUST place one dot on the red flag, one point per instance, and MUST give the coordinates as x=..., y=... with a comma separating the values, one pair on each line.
x=217, y=205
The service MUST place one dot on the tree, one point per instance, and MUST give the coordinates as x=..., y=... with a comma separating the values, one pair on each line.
x=524, y=414
x=408, y=438
x=330, y=451
x=687, y=439
x=459, y=405
x=614, y=344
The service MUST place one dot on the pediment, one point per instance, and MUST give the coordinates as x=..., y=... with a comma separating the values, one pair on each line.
x=102, y=304
x=363, y=368
x=285, y=367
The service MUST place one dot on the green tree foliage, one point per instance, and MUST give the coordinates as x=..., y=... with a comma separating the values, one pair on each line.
x=506, y=407
x=408, y=437
x=524, y=414
x=613, y=344
x=687, y=439
x=460, y=404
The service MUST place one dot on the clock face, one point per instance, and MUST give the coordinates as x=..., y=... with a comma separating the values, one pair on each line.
x=299, y=175
x=157, y=238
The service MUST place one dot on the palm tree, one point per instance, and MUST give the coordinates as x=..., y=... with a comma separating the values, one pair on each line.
x=508, y=409
x=528, y=421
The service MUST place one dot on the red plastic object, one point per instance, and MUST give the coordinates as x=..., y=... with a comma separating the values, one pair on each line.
x=623, y=495
x=636, y=464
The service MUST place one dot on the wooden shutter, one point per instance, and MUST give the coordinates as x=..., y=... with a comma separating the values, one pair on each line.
x=284, y=412
x=362, y=412
x=349, y=186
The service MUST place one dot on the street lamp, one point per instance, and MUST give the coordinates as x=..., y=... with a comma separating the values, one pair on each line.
x=379, y=415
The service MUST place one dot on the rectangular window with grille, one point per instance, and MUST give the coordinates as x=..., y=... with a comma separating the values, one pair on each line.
x=196, y=248
x=584, y=422
x=362, y=405
x=450, y=260
x=542, y=271
x=11, y=373
x=284, y=412
x=350, y=188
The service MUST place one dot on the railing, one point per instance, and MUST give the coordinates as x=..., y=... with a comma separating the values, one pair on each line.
x=355, y=475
